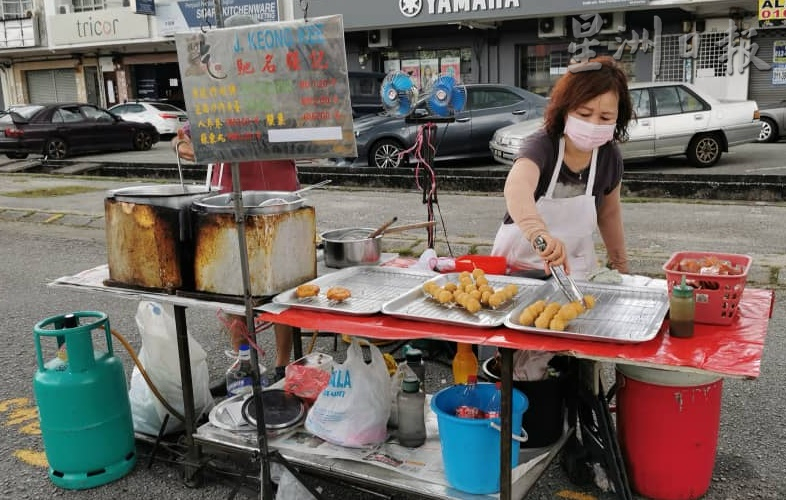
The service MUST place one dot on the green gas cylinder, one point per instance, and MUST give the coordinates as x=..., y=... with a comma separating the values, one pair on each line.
x=83, y=403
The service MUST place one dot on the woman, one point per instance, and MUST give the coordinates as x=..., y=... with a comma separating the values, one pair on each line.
x=268, y=175
x=567, y=177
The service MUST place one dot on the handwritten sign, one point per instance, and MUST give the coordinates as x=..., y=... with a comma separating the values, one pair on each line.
x=268, y=91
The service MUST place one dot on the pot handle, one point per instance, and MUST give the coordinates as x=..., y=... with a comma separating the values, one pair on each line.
x=521, y=439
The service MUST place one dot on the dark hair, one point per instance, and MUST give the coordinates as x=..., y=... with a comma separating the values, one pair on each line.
x=583, y=82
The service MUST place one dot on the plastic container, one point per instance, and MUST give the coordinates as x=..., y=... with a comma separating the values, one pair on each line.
x=238, y=376
x=83, y=405
x=667, y=425
x=414, y=358
x=491, y=264
x=411, y=404
x=464, y=364
x=681, y=310
x=716, y=296
x=471, y=447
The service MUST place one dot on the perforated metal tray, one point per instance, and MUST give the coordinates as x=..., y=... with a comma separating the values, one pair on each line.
x=417, y=305
x=371, y=287
x=621, y=314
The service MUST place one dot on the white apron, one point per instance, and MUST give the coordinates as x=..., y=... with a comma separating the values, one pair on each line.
x=572, y=220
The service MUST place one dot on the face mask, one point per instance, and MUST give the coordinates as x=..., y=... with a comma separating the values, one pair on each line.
x=587, y=136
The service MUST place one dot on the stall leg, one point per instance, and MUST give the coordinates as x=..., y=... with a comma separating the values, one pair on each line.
x=506, y=419
x=191, y=467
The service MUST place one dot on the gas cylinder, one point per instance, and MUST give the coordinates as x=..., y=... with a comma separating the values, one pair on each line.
x=83, y=404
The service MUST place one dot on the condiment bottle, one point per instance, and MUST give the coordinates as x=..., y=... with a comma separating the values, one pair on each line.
x=681, y=310
x=238, y=376
x=465, y=363
x=411, y=403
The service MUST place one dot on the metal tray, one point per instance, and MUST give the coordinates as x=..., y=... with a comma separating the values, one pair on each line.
x=371, y=287
x=416, y=305
x=621, y=314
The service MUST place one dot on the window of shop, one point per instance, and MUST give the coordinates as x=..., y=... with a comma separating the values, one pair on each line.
x=540, y=66
x=14, y=9
x=88, y=5
x=425, y=65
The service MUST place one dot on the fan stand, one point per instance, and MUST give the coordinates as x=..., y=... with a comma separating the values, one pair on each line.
x=428, y=125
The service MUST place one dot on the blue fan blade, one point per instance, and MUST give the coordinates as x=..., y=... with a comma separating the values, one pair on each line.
x=401, y=82
x=389, y=96
x=458, y=98
x=404, y=106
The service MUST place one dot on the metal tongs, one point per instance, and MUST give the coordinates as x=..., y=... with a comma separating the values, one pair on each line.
x=564, y=281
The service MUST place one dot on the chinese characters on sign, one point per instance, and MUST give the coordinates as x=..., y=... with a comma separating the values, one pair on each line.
x=268, y=91
x=587, y=26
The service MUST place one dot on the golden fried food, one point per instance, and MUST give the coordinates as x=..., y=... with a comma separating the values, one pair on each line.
x=558, y=324
x=539, y=306
x=307, y=290
x=444, y=297
x=567, y=312
x=527, y=317
x=338, y=293
x=484, y=297
x=510, y=290
x=542, y=321
x=497, y=299
x=450, y=286
x=472, y=305
x=589, y=300
x=477, y=273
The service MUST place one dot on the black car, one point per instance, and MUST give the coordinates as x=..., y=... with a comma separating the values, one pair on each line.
x=382, y=137
x=60, y=130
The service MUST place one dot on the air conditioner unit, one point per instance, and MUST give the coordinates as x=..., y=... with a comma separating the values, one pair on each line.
x=613, y=23
x=379, y=38
x=551, y=27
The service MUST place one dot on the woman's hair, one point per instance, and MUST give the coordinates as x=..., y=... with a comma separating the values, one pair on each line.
x=584, y=82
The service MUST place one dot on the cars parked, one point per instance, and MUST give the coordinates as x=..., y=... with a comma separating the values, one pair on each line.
x=672, y=118
x=381, y=138
x=773, y=121
x=60, y=130
x=166, y=118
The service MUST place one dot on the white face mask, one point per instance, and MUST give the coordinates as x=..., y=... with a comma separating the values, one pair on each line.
x=587, y=136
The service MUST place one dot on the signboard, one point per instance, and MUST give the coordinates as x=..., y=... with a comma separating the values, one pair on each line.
x=176, y=16
x=268, y=91
x=779, y=62
x=147, y=7
x=770, y=10
x=97, y=26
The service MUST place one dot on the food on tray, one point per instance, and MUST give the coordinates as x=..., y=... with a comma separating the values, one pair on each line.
x=338, y=293
x=710, y=265
x=307, y=290
x=553, y=315
x=472, y=292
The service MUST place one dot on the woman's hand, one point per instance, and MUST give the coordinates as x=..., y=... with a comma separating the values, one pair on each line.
x=183, y=147
x=554, y=253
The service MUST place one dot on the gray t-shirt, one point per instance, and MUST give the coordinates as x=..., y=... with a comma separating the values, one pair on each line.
x=542, y=150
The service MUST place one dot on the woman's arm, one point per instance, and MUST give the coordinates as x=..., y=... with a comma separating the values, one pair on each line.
x=182, y=146
x=611, y=230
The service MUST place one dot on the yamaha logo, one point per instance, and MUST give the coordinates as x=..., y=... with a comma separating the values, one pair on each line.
x=410, y=8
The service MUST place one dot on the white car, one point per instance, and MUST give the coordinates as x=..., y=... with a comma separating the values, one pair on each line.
x=166, y=118
x=671, y=118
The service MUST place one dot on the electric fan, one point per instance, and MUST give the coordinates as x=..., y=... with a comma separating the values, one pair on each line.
x=446, y=96
x=399, y=93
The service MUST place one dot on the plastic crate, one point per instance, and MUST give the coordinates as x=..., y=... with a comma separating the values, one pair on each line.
x=491, y=264
x=716, y=296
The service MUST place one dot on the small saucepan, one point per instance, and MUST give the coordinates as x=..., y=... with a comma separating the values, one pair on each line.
x=351, y=246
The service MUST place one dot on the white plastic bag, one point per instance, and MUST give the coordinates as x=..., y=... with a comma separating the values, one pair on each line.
x=159, y=357
x=353, y=410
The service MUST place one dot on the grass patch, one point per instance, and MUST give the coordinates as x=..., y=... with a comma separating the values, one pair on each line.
x=47, y=192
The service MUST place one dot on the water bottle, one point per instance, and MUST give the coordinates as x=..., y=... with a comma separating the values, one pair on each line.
x=411, y=402
x=238, y=376
x=469, y=406
x=494, y=406
x=415, y=361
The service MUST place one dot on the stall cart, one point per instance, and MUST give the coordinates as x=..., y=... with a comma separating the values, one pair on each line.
x=706, y=352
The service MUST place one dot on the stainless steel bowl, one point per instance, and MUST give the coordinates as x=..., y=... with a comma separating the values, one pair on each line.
x=351, y=246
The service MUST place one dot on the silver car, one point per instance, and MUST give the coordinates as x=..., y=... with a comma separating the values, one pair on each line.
x=672, y=118
x=773, y=122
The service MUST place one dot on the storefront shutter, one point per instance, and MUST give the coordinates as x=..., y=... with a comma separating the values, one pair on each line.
x=51, y=85
x=760, y=86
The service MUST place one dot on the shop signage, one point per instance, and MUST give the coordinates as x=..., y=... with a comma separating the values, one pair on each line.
x=359, y=14
x=147, y=7
x=771, y=10
x=97, y=26
x=779, y=62
x=176, y=16
x=268, y=91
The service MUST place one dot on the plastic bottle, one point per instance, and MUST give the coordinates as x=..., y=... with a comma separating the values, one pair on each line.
x=465, y=363
x=238, y=376
x=411, y=402
x=681, y=310
x=415, y=361
x=494, y=406
x=469, y=406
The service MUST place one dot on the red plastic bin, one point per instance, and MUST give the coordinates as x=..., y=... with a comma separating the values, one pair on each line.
x=716, y=296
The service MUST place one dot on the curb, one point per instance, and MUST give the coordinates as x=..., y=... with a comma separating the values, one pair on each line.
x=763, y=272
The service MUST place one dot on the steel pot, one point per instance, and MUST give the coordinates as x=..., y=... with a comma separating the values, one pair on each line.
x=254, y=202
x=351, y=246
x=148, y=236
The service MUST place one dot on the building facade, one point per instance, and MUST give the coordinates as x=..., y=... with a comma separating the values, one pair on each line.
x=108, y=51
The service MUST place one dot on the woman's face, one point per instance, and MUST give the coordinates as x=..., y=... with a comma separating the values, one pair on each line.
x=601, y=110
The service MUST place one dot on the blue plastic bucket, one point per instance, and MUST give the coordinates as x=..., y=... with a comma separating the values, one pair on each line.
x=471, y=447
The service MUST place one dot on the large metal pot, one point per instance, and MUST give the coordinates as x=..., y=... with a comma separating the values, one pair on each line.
x=279, y=238
x=148, y=236
x=351, y=246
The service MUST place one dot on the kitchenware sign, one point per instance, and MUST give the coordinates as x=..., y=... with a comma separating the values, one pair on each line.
x=268, y=91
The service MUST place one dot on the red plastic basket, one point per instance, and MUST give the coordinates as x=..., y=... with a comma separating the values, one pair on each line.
x=716, y=296
x=491, y=264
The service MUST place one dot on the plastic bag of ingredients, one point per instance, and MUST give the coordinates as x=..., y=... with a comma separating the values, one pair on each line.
x=159, y=357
